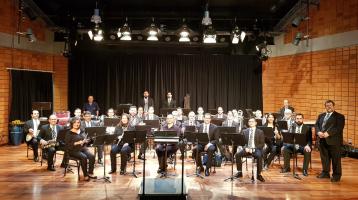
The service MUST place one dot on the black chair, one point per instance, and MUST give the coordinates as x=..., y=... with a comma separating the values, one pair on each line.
x=28, y=147
x=68, y=164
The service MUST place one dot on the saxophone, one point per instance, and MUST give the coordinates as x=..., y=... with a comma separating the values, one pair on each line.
x=50, y=143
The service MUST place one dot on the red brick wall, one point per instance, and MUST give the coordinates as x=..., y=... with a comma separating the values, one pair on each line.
x=332, y=16
x=27, y=60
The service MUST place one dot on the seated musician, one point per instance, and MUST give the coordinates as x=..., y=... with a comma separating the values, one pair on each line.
x=210, y=148
x=299, y=128
x=176, y=122
x=31, y=130
x=88, y=122
x=141, y=113
x=170, y=148
x=47, y=138
x=124, y=149
x=274, y=144
x=180, y=116
x=169, y=102
x=200, y=115
x=220, y=114
x=229, y=122
x=151, y=115
x=255, y=141
x=134, y=119
x=78, y=113
x=191, y=121
x=110, y=114
x=75, y=145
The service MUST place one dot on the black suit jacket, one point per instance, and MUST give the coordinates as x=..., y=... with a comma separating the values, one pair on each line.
x=213, y=133
x=334, y=126
x=172, y=104
x=45, y=132
x=305, y=130
x=29, y=124
x=83, y=125
x=150, y=102
x=259, y=138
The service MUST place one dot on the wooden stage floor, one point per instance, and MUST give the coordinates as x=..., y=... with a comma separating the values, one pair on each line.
x=21, y=178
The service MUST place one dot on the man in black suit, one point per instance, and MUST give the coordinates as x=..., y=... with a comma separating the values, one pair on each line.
x=329, y=128
x=286, y=106
x=298, y=128
x=220, y=114
x=146, y=101
x=255, y=141
x=48, y=134
x=169, y=102
x=210, y=148
x=32, y=129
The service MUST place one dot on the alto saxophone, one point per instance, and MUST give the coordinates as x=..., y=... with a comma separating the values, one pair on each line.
x=50, y=143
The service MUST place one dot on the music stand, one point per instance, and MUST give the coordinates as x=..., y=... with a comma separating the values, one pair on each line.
x=294, y=138
x=217, y=122
x=226, y=129
x=110, y=122
x=282, y=125
x=41, y=106
x=232, y=139
x=152, y=123
x=95, y=131
x=268, y=131
x=200, y=121
x=190, y=129
x=134, y=137
x=104, y=139
x=259, y=122
x=123, y=108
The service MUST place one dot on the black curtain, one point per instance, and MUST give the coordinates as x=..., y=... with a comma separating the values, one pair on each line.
x=211, y=80
x=28, y=87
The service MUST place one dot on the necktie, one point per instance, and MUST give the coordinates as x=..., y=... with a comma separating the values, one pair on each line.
x=229, y=123
x=325, y=120
x=88, y=124
x=205, y=127
x=251, y=139
x=53, y=133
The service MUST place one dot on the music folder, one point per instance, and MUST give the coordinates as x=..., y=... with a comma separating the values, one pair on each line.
x=201, y=138
x=226, y=129
x=190, y=128
x=294, y=138
x=111, y=122
x=282, y=125
x=233, y=139
x=268, y=131
x=129, y=136
x=105, y=139
x=152, y=123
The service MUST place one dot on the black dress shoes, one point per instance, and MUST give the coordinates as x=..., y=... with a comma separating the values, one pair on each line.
x=238, y=175
x=335, y=179
x=260, y=178
x=323, y=175
x=36, y=159
x=207, y=171
x=304, y=173
x=92, y=176
x=122, y=172
x=285, y=170
x=51, y=169
x=112, y=172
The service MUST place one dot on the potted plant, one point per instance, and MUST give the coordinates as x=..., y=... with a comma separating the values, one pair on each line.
x=16, y=132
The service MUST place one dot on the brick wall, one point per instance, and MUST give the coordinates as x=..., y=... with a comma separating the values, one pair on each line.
x=332, y=16
x=26, y=59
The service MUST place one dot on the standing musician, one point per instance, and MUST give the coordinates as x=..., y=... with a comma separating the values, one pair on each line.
x=169, y=102
x=274, y=144
x=298, y=128
x=169, y=148
x=255, y=141
x=32, y=129
x=329, y=128
x=210, y=148
x=75, y=146
x=91, y=106
x=146, y=101
x=119, y=147
x=47, y=138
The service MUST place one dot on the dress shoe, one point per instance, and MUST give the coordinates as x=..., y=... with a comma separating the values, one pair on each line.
x=159, y=171
x=305, y=173
x=285, y=170
x=112, y=172
x=238, y=175
x=51, y=169
x=92, y=176
x=122, y=172
x=100, y=161
x=199, y=169
x=323, y=175
x=207, y=171
x=87, y=178
x=335, y=179
x=36, y=159
x=260, y=178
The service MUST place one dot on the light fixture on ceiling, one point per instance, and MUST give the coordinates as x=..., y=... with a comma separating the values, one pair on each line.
x=97, y=33
x=124, y=33
x=209, y=36
x=28, y=34
x=206, y=21
x=235, y=35
x=153, y=32
x=263, y=51
x=297, y=21
x=184, y=33
x=298, y=37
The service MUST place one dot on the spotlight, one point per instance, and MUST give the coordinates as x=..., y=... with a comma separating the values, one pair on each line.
x=184, y=34
x=153, y=32
x=206, y=19
x=222, y=39
x=297, y=39
x=195, y=38
x=30, y=36
x=139, y=37
x=242, y=36
x=297, y=21
x=263, y=51
x=209, y=36
x=96, y=34
x=235, y=35
x=124, y=33
x=112, y=37
x=167, y=38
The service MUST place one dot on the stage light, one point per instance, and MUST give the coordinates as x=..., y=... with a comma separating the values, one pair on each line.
x=167, y=39
x=153, y=32
x=96, y=34
x=297, y=39
x=195, y=38
x=30, y=36
x=206, y=21
x=235, y=35
x=297, y=21
x=242, y=36
x=263, y=51
x=209, y=36
x=184, y=34
x=124, y=33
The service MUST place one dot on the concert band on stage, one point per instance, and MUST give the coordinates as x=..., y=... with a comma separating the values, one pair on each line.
x=262, y=136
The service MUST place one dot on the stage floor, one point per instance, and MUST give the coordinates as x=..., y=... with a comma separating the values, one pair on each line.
x=21, y=178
